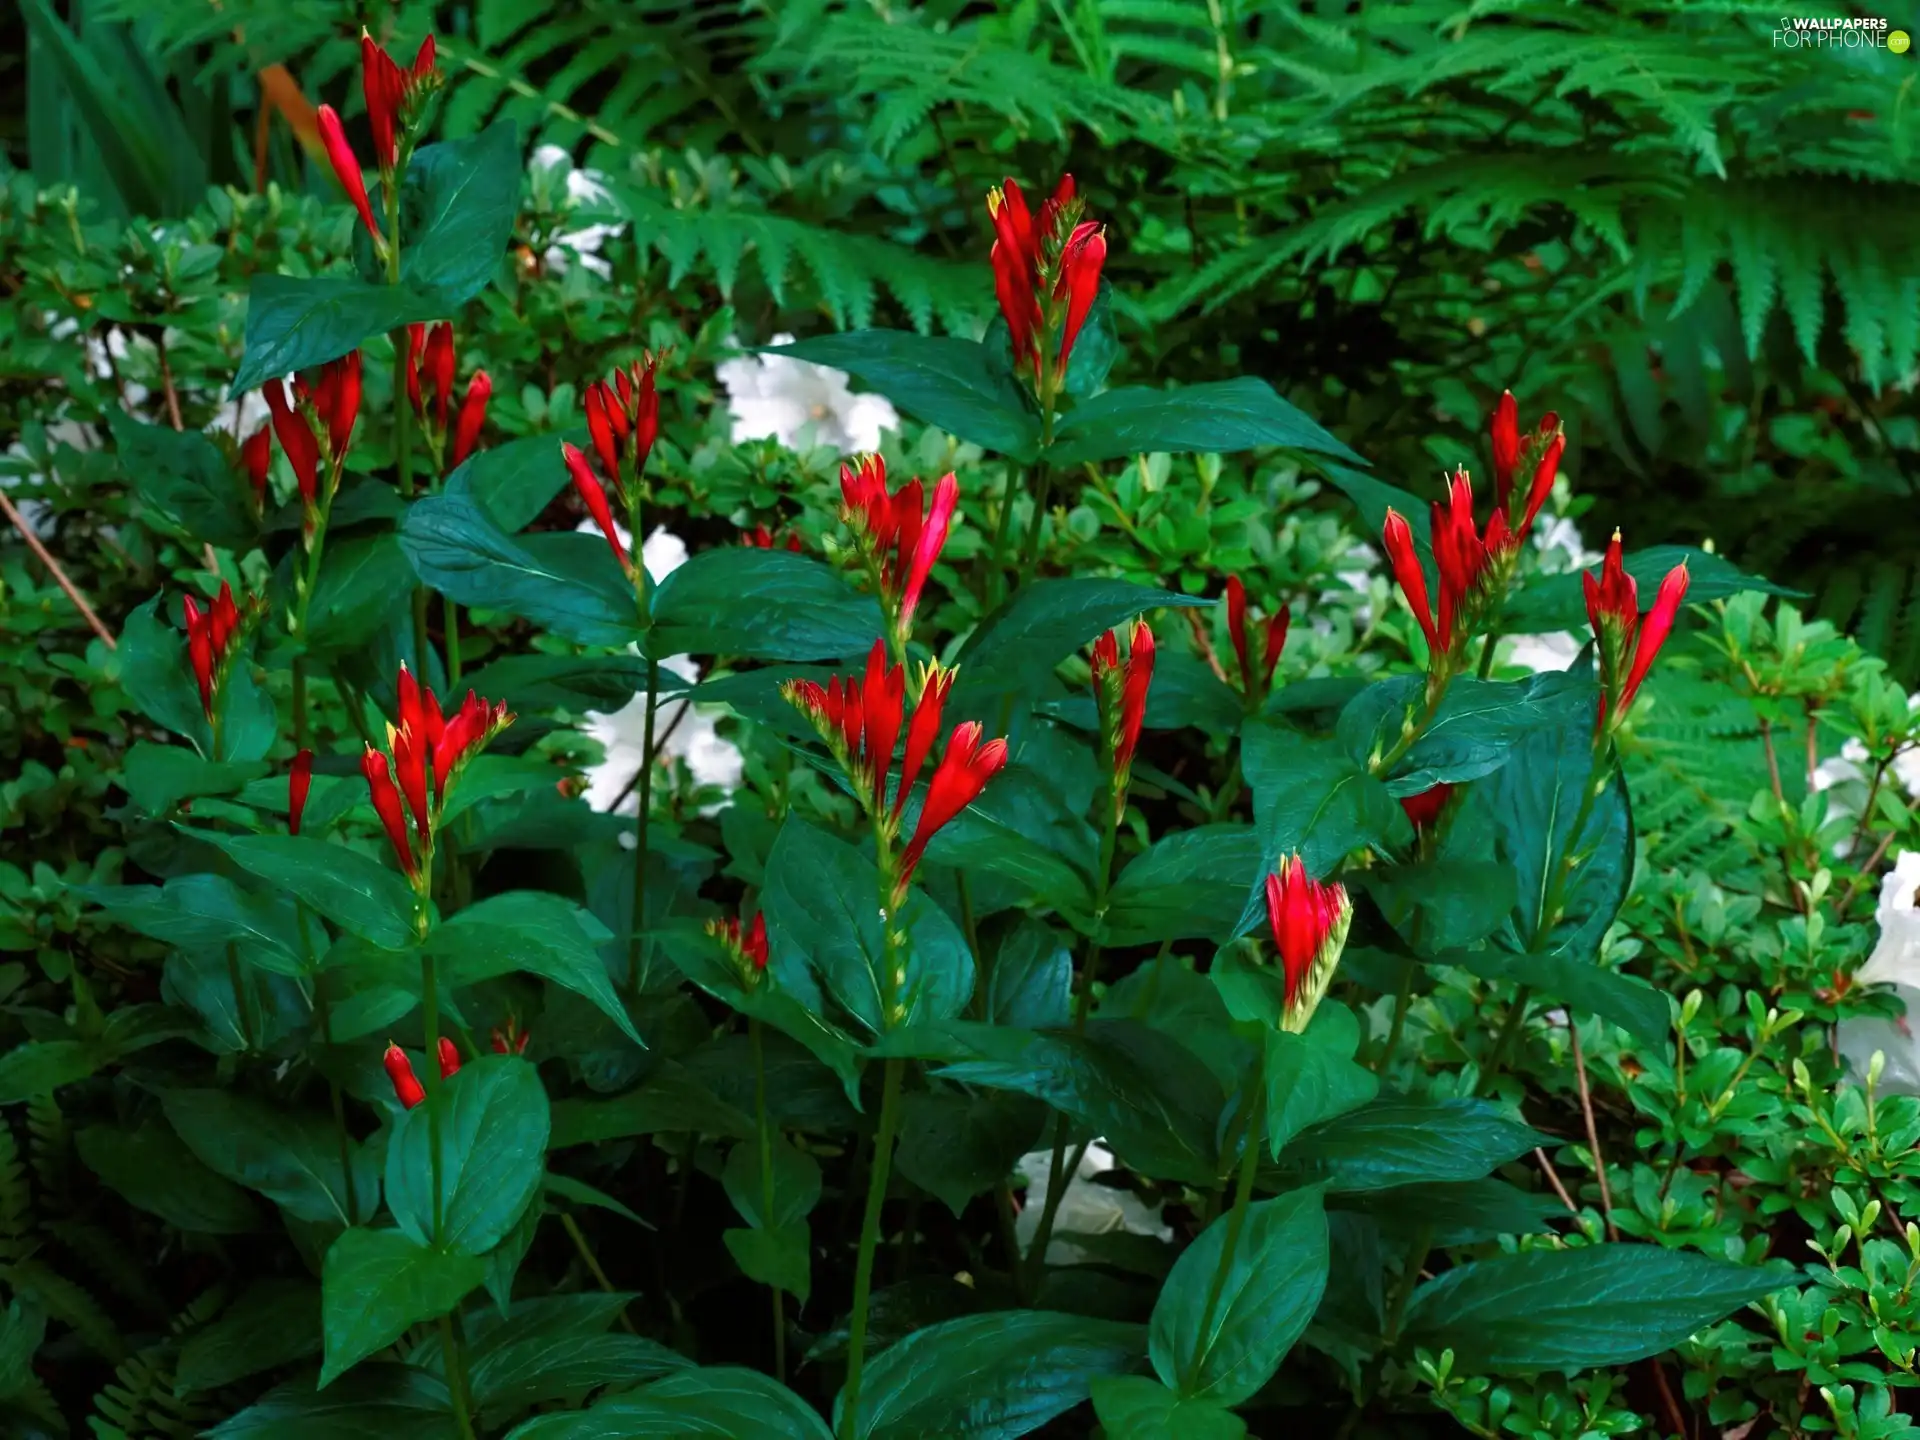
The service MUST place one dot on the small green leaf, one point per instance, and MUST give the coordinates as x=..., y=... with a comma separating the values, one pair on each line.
x=1030, y=986
x=988, y=1377
x=780, y=1256
x=185, y=486
x=1585, y=985
x=669, y=1101
x=514, y=482
x=1132, y=1407
x=365, y=581
x=205, y=911
x=376, y=1284
x=1397, y=1140
x=154, y=672
x=294, y=323
x=516, y=1364
x=493, y=1145
x=1274, y=1282
x=566, y=583
x=460, y=197
x=354, y=891
x=534, y=931
x=959, y=1146
x=158, y=1174
x=274, y=1323
x=1460, y=1212
x=290, y=1156
x=1018, y=645
x=1579, y=1309
x=763, y=604
x=1312, y=1078
x=1217, y=417
x=40, y=1067
x=159, y=777
x=568, y=682
x=961, y=386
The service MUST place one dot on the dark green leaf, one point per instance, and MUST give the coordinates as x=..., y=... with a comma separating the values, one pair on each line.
x=567, y=682
x=514, y=482
x=959, y=1146
x=1579, y=1309
x=975, y=843
x=364, y=582
x=156, y=1173
x=796, y=1183
x=1274, y=1282
x=274, y=1323
x=988, y=1377
x=1400, y=1141
x=461, y=196
x=568, y=583
x=1217, y=417
x=159, y=777
x=1132, y=1407
x=534, y=931
x=493, y=1146
x=185, y=486
x=669, y=1101
x=1585, y=985
x=1191, y=885
x=1473, y=734
x=294, y=323
x=1461, y=1212
x=961, y=386
x=1018, y=645
x=290, y=1156
x=40, y=1067
x=1556, y=602
x=1312, y=1078
x=766, y=604
x=384, y=1400
x=536, y=1369
x=717, y=1401
x=205, y=911
x=376, y=1284
x=1031, y=984
x=358, y=893
x=779, y=1256
x=152, y=660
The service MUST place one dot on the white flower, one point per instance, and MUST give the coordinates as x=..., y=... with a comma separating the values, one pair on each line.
x=1896, y=957
x=795, y=402
x=1560, y=548
x=1542, y=652
x=583, y=187
x=241, y=416
x=1086, y=1209
x=686, y=733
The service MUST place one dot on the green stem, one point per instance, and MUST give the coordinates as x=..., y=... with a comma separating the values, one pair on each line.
x=303, y=600
x=997, y=555
x=869, y=1242
x=635, y=972
x=1030, y=547
x=1401, y=1001
x=430, y=1004
x=239, y=996
x=766, y=1192
x=456, y=1376
x=451, y=620
x=1251, y=1144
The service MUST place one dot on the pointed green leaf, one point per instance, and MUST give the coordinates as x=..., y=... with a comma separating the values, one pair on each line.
x=378, y=1283
x=493, y=1146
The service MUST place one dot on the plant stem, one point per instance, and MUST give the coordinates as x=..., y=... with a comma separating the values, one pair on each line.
x=1402, y=1000
x=766, y=1191
x=451, y=622
x=430, y=1004
x=456, y=1376
x=635, y=974
x=1251, y=1144
x=997, y=554
x=324, y=1009
x=1516, y=1016
x=1593, y=1130
x=1030, y=547
x=592, y=1262
x=869, y=1242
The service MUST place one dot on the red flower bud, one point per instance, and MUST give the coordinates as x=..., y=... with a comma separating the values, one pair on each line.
x=1423, y=809
x=923, y=730
x=465, y=735
x=199, y=627
x=595, y=496
x=1552, y=441
x=449, y=1058
x=932, y=538
x=511, y=1040
x=1275, y=639
x=754, y=943
x=406, y=1085
x=646, y=413
x=891, y=528
x=257, y=455
x=336, y=399
x=473, y=414
x=346, y=168
x=601, y=407
x=1309, y=922
x=1079, y=283
x=386, y=804
x=438, y=361
x=299, y=782
x=1654, y=631
x=883, y=699
x=963, y=772
x=290, y=428
x=1503, y=435
x=1397, y=536
x=1120, y=691
x=416, y=346
x=383, y=86
x=423, y=62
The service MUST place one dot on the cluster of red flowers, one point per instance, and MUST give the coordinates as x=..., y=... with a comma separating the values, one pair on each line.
x=1256, y=677
x=623, y=419
x=430, y=367
x=861, y=720
x=211, y=633
x=1046, y=275
x=1627, y=643
x=424, y=746
x=1120, y=699
x=900, y=533
x=747, y=944
x=1309, y=920
x=394, y=97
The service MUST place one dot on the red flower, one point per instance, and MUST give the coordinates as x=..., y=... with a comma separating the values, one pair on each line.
x=473, y=414
x=1471, y=566
x=387, y=805
x=1309, y=922
x=346, y=169
x=1080, y=262
x=296, y=439
x=901, y=541
x=747, y=945
x=390, y=93
x=1503, y=435
x=922, y=731
x=625, y=415
x=1046, y=274
x=511, y=1040
x=336, y=400
x=299, y=782
x=595, y=496
x=1274, y=642
x=963, y=772
x=1397, y=536
x=1120, y=692
x=605, y=430
x=438, y=361
x=1510, y=450
x=883, y=698
x=449, y=1058
x=256, y=454
x=210, y=636
x=1625, y=640
x=761, y=538
x=425, y=746
x=1423, y=809
x=406, y=1085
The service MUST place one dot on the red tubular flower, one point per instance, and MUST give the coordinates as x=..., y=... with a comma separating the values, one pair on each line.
x=387, y=805
x=346, y=168
x=1655, y=629
x=290, y=428
x=336, y=400
x=1503, y=435
x=646, y=413
x=891, y=530
x=600, y=407
x=883, y=698
x=1309, y=921
x=1551, y=442
x=1423, y=809
x=416, y=345
x=1046, y=276
x=199, y=627
x=922, y=730
x=406, y=1085
x=746, y=945
x=928, y=543
x=761, y=538
x=1275, y=639
x=963, y=772
x=1080, y=262
x=256, y=454
x=595, y=496
x=449, y=1058
x=465, y=735
x=473, y=414
x=1459, y=553
x=510, y=1040
x=384, y=86
x=754, y=943
x=1120, y=692
x=1627, y=643
x=425, y=746
x=1543, y=447
x=438, y=361
x=299, y=782
x=1397, y=536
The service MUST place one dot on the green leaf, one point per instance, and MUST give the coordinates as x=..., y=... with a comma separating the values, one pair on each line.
x=959, y=1146
x=1156, y=1102
x=534, y=931
x=796, y=1184
x=765, y=604
x=205, y=911
x=493, y=1146
x=822, y=902
x=961, y=386
x=365, y=582
x=1132, y=1407
x=1218, y=417
x=1373, y=498
x=40, y=1067
x=274, y=1323
x=1461, y=1212
x=1312, y=1078
x=185, y=486
x=354, y=891
x=1400, y=1141
x=510, y=1377
x=1585, y=985
x=1190, y=885
x=152, y=659
x=376, y=1284
x=717, y=1401
x=294, y=323
x=460, y=197
x=1556, y=602
x=159, y=777
x=385, y=1400
x=514, y=482
x=567, y=682
x=1579, y=1309
x=779, y=1255
x=153, y=1171
x=565, y=583
x=669, y=1101
x=290, y=1156
x=988, y=1377
x=1474, y=733
x=1274, y=1282
x=975, y=843
x=1019, y=644
x=1310, y=796
x=1030, y=986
